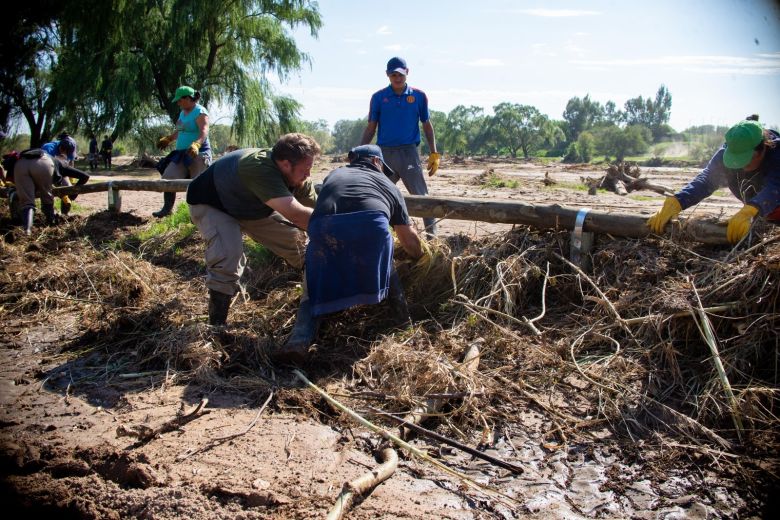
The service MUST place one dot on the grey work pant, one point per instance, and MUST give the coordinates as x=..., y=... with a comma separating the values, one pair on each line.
x=179, y=171
x=31, y=176
x=405, y=162
x=223, y=234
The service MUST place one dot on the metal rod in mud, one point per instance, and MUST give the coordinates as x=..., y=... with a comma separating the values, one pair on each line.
x=451, y=442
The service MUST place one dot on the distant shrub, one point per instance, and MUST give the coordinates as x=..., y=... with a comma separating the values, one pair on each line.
x=572, y=154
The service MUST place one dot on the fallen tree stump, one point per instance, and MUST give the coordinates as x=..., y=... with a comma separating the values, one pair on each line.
x=623, y=179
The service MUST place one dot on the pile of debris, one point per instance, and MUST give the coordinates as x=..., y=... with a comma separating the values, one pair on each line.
x=623, y=178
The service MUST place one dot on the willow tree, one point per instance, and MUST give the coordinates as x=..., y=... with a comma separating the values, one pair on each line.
x=124, y=59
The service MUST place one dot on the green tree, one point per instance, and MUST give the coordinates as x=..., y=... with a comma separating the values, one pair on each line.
x=580, y=115
x=572, y=154
x=439, y=122
x=651, y=113
x=465, y=129
x=611, y=114
x=586, y=146
x=521, y=128
x=347, y=134
x=126, y=68
x=220, y=137
x=28, y=60
x=320, y=131
x=620, y=142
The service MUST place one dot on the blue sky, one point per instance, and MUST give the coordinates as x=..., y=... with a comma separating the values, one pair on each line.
x=720, y=59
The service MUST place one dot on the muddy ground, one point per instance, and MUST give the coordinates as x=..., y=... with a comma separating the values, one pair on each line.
x=119, y=347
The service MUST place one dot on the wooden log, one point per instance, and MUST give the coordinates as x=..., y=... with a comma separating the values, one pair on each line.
x=643, y=183
x=127, y=184
x=558, y=217
x=540, y=217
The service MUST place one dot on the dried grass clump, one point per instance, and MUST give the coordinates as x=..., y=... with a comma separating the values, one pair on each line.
x=622, y=345
x=624, y=337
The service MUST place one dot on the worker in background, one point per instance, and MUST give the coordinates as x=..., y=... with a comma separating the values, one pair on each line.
x=192, y=154
x=395, y=115
x=749, y=164
x=63, y=151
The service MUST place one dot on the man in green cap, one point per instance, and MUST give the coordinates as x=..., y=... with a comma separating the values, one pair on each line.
x=749, y=164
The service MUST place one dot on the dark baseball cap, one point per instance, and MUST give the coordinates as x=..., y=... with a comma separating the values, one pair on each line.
x=397, y=65
x=367, y=151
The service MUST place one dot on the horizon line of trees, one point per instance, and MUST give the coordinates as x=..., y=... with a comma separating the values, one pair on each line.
x=59, y=70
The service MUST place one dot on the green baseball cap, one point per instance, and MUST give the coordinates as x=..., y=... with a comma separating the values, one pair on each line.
x=183, y=91
x=741, y=142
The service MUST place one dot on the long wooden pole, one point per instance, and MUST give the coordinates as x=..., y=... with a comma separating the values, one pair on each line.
x=124, y=184
x=556, y=216
x=552, y=216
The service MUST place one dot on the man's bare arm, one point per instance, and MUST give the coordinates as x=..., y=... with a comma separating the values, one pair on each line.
x=409, y=240
x=292, y=210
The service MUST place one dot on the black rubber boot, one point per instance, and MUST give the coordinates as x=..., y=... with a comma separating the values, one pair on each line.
x=399, y=310
x=219, y=303
x=27, y=220
x=51, y=217
x=296, y=349
x=169, y=199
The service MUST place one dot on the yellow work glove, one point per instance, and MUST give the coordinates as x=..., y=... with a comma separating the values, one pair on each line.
x=65, y=205
x=433, y=163
x=739, y=224
x=163, y=142
x=194, y=148
x=658, y=222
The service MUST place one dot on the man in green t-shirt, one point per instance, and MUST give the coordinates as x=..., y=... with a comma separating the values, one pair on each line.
x=264, y=193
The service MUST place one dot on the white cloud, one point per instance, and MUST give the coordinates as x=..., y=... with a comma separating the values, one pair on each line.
x=384, y=30
x=572, y=48
x=485, y=62
x=763, y=64
x=395, y=47
x=542, y=49
x=556, y=13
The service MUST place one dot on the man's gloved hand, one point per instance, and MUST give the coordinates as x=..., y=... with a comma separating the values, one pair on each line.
x=65, y=205
x=194, y=148
x=163, y=142
x=739, y=224
x=658, y=222
x=433, y=163
x=427, y=254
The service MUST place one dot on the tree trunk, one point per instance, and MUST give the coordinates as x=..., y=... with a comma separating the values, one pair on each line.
x=540, y=217
x=557, y=217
